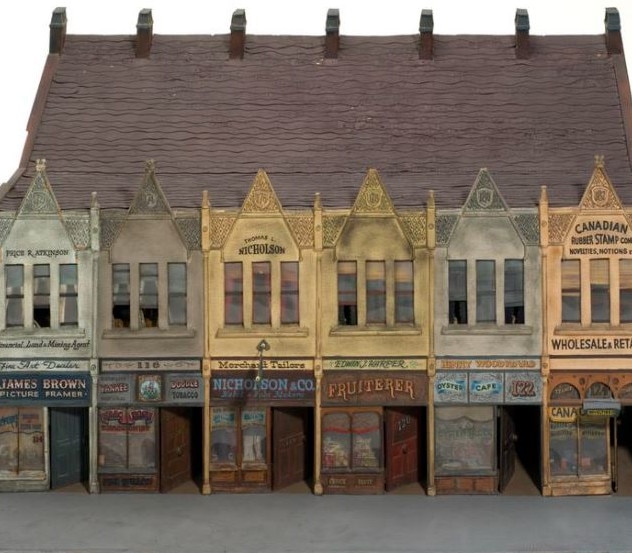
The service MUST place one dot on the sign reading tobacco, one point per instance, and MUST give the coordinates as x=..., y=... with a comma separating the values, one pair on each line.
x=374, y=388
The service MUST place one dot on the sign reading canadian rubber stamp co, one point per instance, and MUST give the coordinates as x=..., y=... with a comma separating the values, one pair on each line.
x=599, y=236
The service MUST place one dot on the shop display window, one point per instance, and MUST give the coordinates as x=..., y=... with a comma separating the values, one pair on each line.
x=464, y=439
x=127, y=439
x=21, y=440
x=563, y=448
x=239, y=436
x=352, y=441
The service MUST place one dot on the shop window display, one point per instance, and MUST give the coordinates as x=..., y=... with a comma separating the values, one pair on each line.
x=21, y=440
x=352, y=441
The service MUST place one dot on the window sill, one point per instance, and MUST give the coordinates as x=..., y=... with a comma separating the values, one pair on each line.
x=354, y=330
x=61, y=332
x=36, y=475
x=262, y=332
x=486, y=329
x=147, y=333
x=593, y=329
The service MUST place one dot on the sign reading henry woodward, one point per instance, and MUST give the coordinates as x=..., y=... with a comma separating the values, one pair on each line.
x=374, y=388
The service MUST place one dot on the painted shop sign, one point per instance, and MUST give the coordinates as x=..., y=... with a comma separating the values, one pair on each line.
x=45, y=388
x=151, y=364
x=563, y=414
x=386, y=363
x=273, y=386
x=597, y=236
x=261, y=244
x=44, y=364
x=482, y=364
x=488, y=387
x=58, y=344
x=29, y=254
x=374, y=388
x=253, y=364
x=591, y=345
x=160, y=389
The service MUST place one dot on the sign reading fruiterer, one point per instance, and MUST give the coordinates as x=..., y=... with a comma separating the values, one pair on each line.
x=272, y=386
x=45, y=388
x=374, y=388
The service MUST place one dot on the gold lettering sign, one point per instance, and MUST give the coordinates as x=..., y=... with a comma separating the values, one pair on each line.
x=563, y=414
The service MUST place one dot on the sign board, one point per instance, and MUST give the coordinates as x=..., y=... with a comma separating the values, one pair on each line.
x=268, y=364
x=374, y=388
x=375, y=363
x=24, y=347
x=151, y=365
x=45, y=388
x=160, y=389
x=488, y=364
x=486, y=387
x=274, y=386
x=601, y=408
x=114, y=389
x=599, y=236
x=45, y=365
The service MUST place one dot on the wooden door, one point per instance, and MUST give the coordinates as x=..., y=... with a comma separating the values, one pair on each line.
x=68, y=446
x=289, y=436
x=175, y=447
x=402, y=446
x=507, y=448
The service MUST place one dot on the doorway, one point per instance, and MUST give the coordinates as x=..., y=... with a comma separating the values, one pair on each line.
x=68, y=446
x=621, y=444
x=180, y=449
x=519, y=459
x=292, y=448
x=404, y=451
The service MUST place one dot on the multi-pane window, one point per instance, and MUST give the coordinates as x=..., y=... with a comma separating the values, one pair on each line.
x=289, y=292
x=177, y=293
x=514, y=291
x=233, y=294
x=457, y=291
x=41, y=296
x=571, y=291
x=375, y=292
x=120, y=295
x=485, y=291
x=351, y=440
x=599, y=291
x=404, y=292
x=68, y=295
x=625, y=290
x=148, y=297
x=14, y=283
x=238, y=436
x=347, y=293
x=261, y=292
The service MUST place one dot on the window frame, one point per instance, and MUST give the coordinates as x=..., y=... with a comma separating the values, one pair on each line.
x=261, y=292
x=71, y=296
x=42, y=299
x=177, y=295
x=375, y=290
x=14, y=296
x=290, y=283
x=347, y=292
x=514, y=314
x=486, y=300
x=457, y=289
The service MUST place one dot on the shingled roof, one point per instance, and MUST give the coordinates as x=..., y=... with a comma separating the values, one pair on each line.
x=316, y=124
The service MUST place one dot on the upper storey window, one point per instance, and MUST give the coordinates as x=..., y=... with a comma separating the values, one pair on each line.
x=120, y=295
x=386, y=288
x=68, y=295
x=148, y=314
x=41, y=296
x=498, y=294
x=14, y=282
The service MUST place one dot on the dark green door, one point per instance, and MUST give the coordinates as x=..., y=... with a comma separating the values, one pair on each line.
x=68, y=452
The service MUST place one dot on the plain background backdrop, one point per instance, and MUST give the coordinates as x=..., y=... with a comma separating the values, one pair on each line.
x=24, y=32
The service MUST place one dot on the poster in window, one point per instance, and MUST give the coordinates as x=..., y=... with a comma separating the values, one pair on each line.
x=336, y=441
x=141, y=439
x=31, y=440
x=464, y=439
x=149, y=387
x=366, y=440
x=113, y=425
x=253, y=430
x=8, y=439
x=593, y=446
x=223, y=435
x=563, y=448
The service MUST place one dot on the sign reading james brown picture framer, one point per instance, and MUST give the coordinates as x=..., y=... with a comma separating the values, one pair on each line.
x=374, y=388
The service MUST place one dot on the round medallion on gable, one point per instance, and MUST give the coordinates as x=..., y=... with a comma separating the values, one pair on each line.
x=484, y=197
x=600, y=195
x=38, y=200
x=373, y=197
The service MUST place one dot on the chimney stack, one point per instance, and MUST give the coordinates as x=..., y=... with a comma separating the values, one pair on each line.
x=57, y=31
x=237, y=35
x=614, y=45
x=144, y=33
x=332, y=34
x=426, y=27
x=523, y=47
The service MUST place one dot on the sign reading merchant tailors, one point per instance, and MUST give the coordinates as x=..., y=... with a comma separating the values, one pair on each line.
x=374, y=388
x=274, y=386
x=50, y=389
x=599, y=236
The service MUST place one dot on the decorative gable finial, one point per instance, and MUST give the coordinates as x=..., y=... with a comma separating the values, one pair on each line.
x=599, y=163
x=150, y=198
x=150, y=166
x=317, y=202
x=40, y=165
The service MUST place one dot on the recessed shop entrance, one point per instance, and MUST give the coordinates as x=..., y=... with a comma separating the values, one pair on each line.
x=180, y=448
x=518, y=438
x=293, y=450
x=621, y=445
x=69, y=446
x=404, y=447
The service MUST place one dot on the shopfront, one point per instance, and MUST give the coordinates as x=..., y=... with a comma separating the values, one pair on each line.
x=44, y=432
x=486, y=421
x=373, y=425
x=261, y=424
x=150, y=424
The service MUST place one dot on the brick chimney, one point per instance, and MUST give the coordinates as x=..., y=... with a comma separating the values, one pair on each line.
x=57, y=31
x=426, y=27
x=523, y=48
x=614, y=45
x=237, y=35
x=332, y=34
x=144, y=33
